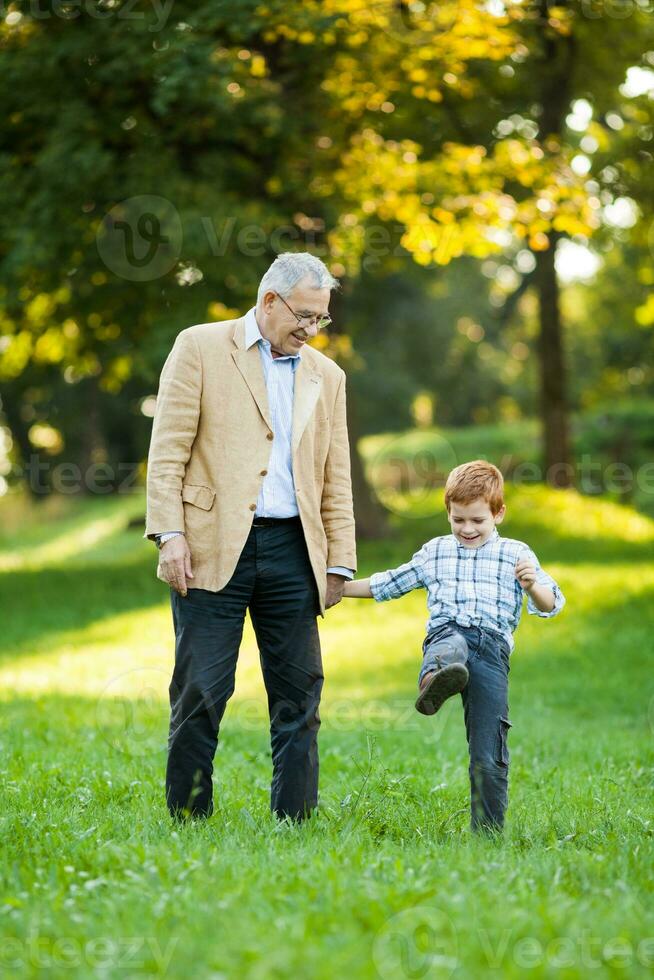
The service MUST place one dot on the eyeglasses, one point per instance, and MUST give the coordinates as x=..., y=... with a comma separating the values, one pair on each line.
x=320, y=320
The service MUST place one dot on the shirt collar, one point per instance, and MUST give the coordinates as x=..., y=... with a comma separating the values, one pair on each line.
x=253, y=336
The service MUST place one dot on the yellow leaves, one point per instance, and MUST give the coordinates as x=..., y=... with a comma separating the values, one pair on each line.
x=457, y=157
x=424, y=45
x=539, y=242
x=644, y=315
x=357, y=39
x=50, y=347
x=457, y=202
x=40, y=308
x=16, y=354
x=560, y=20
x=258, y=66
x=218, y=311
x=430, y=242
x=116, y=374
x=521, y=159
x=570, y=224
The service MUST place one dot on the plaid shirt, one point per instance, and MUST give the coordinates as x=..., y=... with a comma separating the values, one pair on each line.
x=472, y=586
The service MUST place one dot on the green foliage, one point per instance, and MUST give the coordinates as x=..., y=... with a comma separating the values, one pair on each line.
x=384, y=136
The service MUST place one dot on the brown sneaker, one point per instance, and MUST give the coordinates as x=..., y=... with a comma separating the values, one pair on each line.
x=439, y=685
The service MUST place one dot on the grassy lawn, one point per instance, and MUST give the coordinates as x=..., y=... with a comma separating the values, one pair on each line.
x=386, y=881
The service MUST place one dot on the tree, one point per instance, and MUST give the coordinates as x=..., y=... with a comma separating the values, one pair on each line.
x=497, y=169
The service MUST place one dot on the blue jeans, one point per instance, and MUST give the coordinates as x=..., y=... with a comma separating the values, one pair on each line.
x=485, y=710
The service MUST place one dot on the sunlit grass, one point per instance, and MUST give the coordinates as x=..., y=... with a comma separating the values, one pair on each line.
x=88, y=854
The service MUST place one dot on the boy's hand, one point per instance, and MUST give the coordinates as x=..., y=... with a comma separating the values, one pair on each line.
x=525, y=572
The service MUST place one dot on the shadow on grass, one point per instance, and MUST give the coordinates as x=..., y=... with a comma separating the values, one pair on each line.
x=38, y=604
x=118, y=574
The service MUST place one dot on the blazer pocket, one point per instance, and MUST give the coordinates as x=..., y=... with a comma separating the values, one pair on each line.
x=201, y=496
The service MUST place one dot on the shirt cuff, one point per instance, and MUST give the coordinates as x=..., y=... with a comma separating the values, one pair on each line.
x=378, y=582
x=559, y=602
x=165, y=536
x=341, y=570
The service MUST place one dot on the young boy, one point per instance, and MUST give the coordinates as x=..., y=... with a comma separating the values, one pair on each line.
x=475, y=583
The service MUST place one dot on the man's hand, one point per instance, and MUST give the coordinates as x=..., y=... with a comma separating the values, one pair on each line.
x=525, y=572
x=335, y=585
x=175, y=561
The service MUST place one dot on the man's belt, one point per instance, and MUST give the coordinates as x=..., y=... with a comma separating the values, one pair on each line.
x=273, y=521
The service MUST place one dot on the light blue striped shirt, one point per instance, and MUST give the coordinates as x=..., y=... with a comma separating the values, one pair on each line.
x=277, y=495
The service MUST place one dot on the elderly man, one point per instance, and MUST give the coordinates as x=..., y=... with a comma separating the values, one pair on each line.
x=249, y=499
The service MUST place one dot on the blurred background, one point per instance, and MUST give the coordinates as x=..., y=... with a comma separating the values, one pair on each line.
x=478, y=174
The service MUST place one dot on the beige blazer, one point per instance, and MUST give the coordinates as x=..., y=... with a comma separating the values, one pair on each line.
x=210, y=446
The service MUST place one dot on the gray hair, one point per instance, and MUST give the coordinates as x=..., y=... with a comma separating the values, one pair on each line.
x=289, y=268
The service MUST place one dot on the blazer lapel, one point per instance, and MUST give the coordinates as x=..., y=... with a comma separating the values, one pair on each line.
x=305, y=395
x=306, y=389
x=249, y=364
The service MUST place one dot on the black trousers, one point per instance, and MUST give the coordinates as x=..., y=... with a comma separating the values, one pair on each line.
x=274, y=580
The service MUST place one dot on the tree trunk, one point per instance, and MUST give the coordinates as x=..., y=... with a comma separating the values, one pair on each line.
x=554, y=409
x=93, y=447
x=556, y=70
x=369, y=515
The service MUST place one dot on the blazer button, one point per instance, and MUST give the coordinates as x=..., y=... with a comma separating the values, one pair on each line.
x=269, y=436
x=263, y=473
x=253, y=506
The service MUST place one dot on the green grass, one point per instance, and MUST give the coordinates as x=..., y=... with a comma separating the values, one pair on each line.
x=386, y=880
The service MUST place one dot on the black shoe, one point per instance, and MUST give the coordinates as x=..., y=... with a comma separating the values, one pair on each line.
x=445, y=682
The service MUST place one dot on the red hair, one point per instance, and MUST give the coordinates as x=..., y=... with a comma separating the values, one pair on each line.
x=473, y=480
